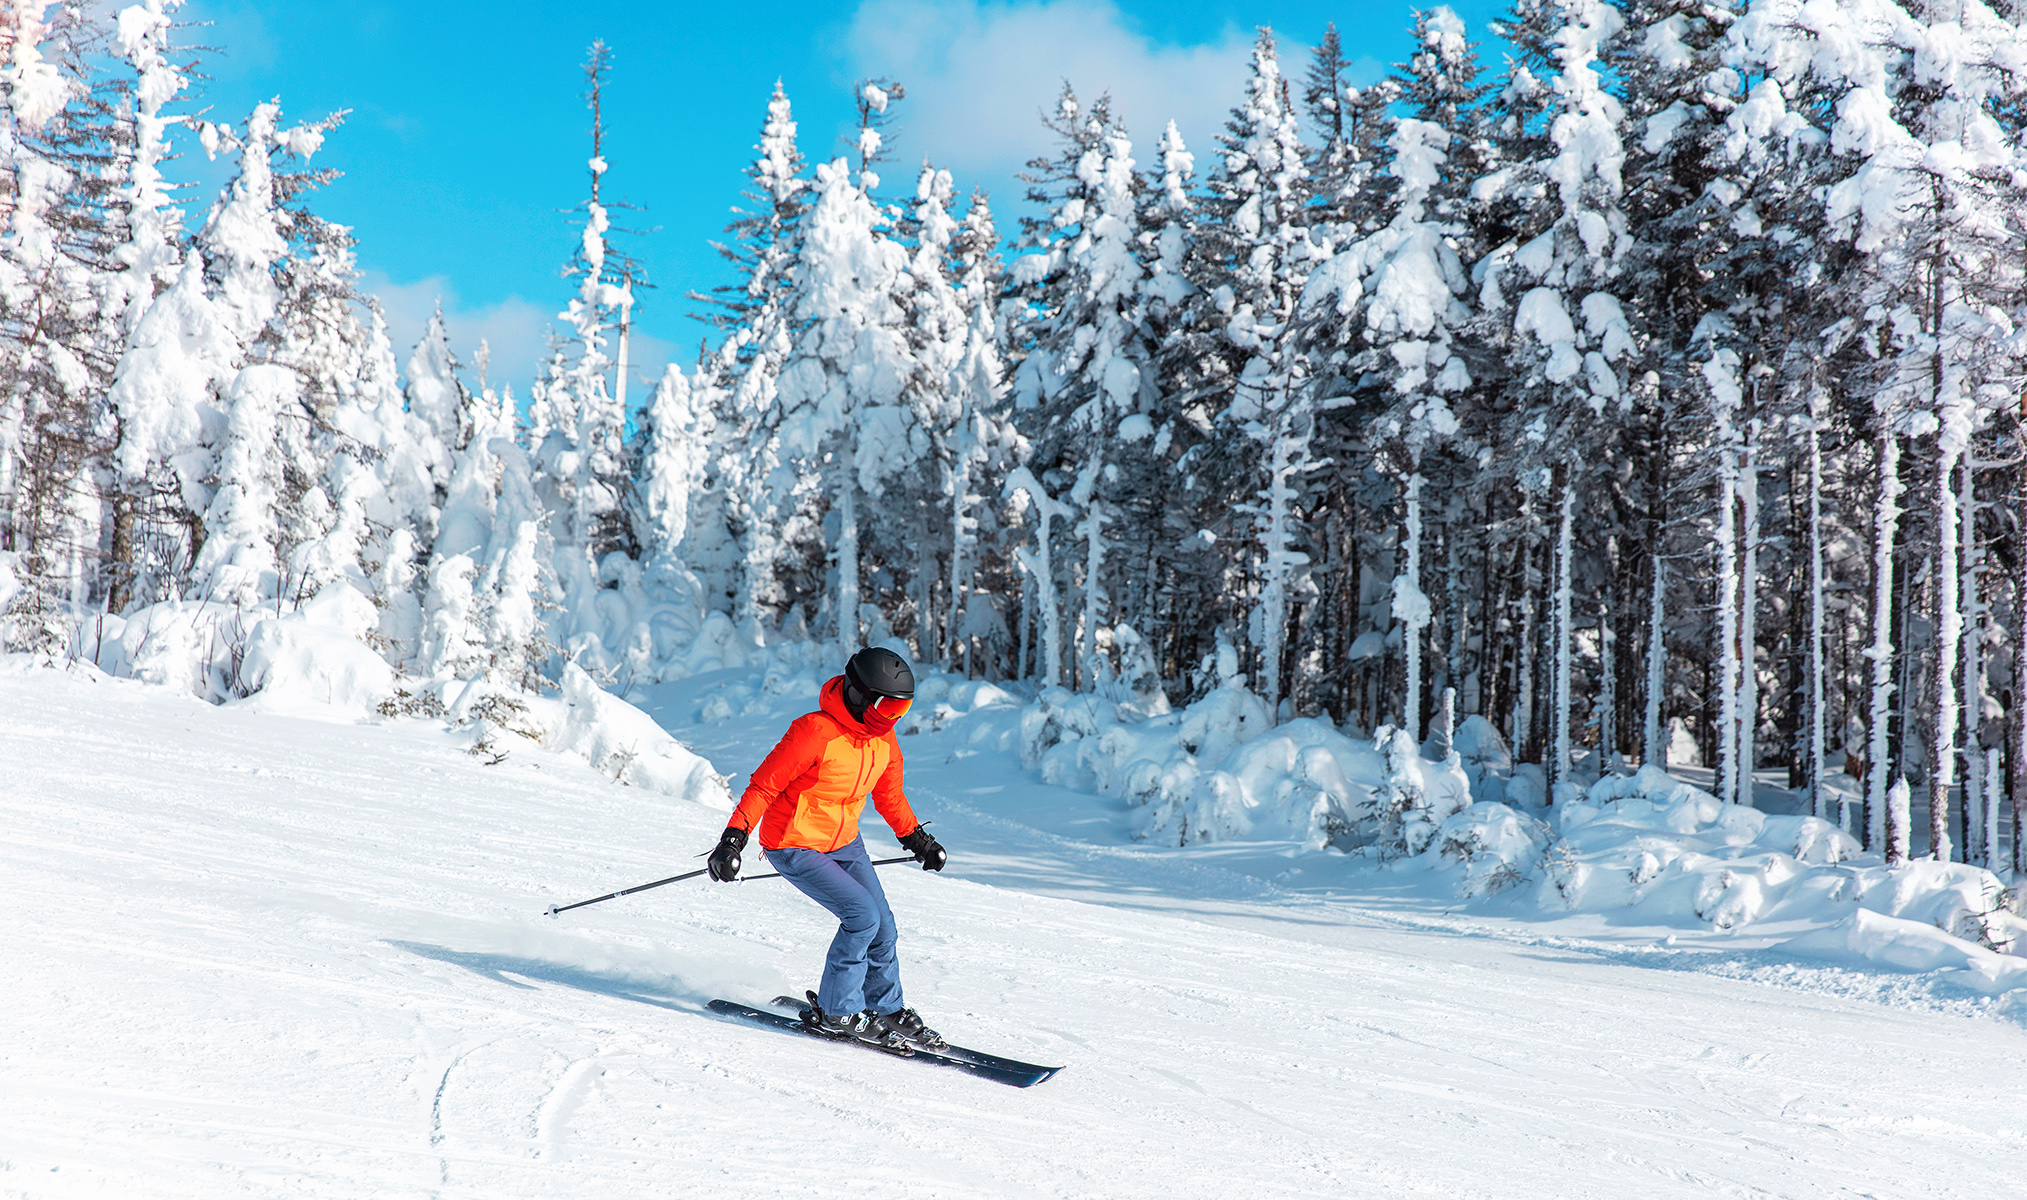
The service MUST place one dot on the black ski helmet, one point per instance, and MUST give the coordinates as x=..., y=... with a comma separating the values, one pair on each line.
x=881, y=672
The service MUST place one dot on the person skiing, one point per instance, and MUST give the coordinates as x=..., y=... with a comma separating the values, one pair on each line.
x=804, y=801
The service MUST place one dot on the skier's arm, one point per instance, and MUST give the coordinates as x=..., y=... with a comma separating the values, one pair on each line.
x=793, y=755
x=890, y=799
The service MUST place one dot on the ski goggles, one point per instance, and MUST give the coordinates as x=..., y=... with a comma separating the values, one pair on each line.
x=891, y=707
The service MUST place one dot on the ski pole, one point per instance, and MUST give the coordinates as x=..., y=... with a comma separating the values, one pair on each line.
x=878, y=862
x=553, y=909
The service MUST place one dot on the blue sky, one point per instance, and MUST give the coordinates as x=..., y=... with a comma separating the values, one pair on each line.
x=468, y=131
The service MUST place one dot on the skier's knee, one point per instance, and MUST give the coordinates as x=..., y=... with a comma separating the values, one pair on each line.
x=860, y=921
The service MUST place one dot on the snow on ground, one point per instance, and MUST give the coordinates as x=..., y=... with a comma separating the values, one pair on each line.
x=258, y=954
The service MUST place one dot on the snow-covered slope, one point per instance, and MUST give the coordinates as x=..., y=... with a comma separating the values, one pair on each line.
x=251, y=954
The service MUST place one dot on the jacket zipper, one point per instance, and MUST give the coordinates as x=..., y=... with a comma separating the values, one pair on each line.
x=858, y=791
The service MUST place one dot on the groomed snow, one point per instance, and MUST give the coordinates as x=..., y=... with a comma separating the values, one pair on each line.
x=254, y=954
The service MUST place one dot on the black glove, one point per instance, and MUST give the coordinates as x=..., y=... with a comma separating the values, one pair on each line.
x=724, y=864
x=925, y=849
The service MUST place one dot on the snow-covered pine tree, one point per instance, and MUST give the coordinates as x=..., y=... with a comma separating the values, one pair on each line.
x=675, y=464
x=1565, y=378
x=1256, y=252
x=58, y=326
x=1350, y=126
x=985, y=446
x=937, y=336
x=435, y=395
x=1087, y=388
x=954, y=392
x=1389, y=309
x=1699, y=247
x=759, y=491
x=250, y=522
x=1915, y=181
x=487, y=577
x=840, y=416
x=578, y=426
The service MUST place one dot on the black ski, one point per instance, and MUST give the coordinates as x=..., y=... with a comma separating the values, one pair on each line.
x=999, y=1070
x=977, y=1058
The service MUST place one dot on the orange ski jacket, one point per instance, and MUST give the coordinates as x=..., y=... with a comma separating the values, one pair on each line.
x=810, y=789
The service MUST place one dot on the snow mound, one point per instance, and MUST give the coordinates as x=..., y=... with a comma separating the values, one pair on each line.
x=1870, y=939
x=315, y=660
x=1651, y=842
x=192, y=646
x=1221, y=770
x=1487, y=763
x=620, y=740
x=941, y=698
x=1497, y=848
x=318, y=662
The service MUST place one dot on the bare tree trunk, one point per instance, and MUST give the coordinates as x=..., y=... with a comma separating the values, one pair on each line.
x=1727, y=618
x=848, y=569
x=1411, y=607
x=1523, y=699
x=1748, y=616
x=2018, y=716
x=122, y=567
x=1818, y=803
x=1976, y=849
x=1653, y=746
x=1881, y=833
x=1565, y=632
x=1457, y=600
x=1949, y=638
x=1608, y=685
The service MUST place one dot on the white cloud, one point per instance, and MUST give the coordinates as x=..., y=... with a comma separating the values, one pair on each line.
x=979, y=74
x=515, y=330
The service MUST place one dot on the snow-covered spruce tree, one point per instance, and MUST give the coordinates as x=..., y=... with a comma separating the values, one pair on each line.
x=1953, y=273
x=1690, y=258
x=1388, y=308
x=478, y=635
x=1256, y=254
x=1507, y=207
x=58, y=325
x=1917, y=182
x=675, y=470
x=937, y=335
x=1179, y=525
x=710, y=548
x=840, y=415
x=249, y=519
x=954, y=392
x=1564, y=363
x=759, y=490
x=1086, y=393
x=435, y=394
x=149, y=255
x=1063, y=200
x=985, y=446
x=580, y=456
x=1350, y=127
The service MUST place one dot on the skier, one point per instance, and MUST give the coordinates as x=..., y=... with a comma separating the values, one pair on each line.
x=804, y=800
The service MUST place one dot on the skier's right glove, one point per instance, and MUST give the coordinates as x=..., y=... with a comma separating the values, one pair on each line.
x=926, y=849
x=724, y=864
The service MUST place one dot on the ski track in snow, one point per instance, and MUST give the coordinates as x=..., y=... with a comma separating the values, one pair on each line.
x=257, y=955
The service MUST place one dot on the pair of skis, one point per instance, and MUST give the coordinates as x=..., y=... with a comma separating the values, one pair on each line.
x=975, y=1062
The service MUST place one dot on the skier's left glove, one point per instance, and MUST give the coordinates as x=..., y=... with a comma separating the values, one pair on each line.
x=925, y=849
x=724, y=864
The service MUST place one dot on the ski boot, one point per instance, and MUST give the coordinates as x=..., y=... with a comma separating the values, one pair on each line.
x=904, y=1026
x=835, y=1025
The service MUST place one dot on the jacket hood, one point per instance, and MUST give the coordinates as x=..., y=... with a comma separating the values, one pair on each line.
x=876, y=723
